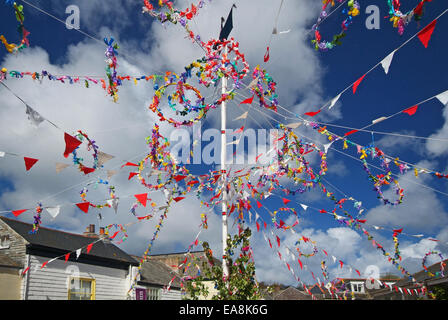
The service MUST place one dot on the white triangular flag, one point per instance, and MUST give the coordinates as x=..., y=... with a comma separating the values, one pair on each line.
x=34, y=116
x=386, y=62
x=378, y=120
x=256, y=216
x=53, y=211
x=234, y=142
x=334, y=259
x=286, y=31
x=253, y=83
x=243, y=116
x=103, y=158
x=250, y=216
x=113, y=203
x=304, y=206
x=110, y=173
x=443, y=97
x=2, y=154
x=78, y=252
x=333, y=102
x=327, y=146
x=61, y=166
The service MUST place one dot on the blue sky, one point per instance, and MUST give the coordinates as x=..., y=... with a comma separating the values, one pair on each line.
x=307, y=79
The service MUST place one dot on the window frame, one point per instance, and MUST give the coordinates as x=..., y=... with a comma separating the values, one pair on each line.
x=92, y=287
x=5, y=241
x=149, y=296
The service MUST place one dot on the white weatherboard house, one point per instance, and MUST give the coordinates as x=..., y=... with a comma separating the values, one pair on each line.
x=106, y=273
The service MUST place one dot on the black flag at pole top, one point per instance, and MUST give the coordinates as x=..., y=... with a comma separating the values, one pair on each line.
x=228, y=26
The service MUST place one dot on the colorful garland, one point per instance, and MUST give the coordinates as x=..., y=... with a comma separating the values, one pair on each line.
x=400, y=20
x=11, y=47
x=264, y=78
x=111, y=69
x=352, y=11
x=442, y=264
x=90, y=146
x=112, y=197
x=37, y=219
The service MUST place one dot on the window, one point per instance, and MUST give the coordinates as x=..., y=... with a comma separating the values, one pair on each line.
x=81, y=289
x=4, y=242
x=153, y=294
x=357, y=287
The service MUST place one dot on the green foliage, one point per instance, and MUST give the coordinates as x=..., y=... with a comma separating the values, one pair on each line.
x=440, y=292
x=241, y=283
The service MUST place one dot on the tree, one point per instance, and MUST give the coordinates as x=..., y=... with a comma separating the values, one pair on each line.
x=241, y=283
x=440, y=292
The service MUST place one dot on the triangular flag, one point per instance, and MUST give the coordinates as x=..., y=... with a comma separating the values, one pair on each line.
x=17, y=213
x=53, y=211
x=142, y=198
x=89, y=247
x=248, y=100
x=132, y=174
x=66, y=257
x=178, y=199
x=327, y=146
x=2, y=154
x=312, y=114
x=110, y=173
x=356, y=84
x=294, y=125
x=304, y=206
x=425, y=34
x=25, y=271
x=378, y=120
x=300, y=263
x=71, y=143
x=243, y=116
x=350, y=132
x=334, y=100
x=78, y=253
x=129, y=164
x=386, y=62
x=179, y=178
x=87, y=170
x=228, y=26
x=84, y=206
x=411, y=111
x=103, y=158
x=443, y=97
x=44, y=264
x=239, y=130
x=286, y=201
x=341, y=263
x=34, y=116
x=29, y=162
x=113, y=203
x=266, y=55
x=259, y=205
x=258, y=226
x=278, y=240
x=61, y=166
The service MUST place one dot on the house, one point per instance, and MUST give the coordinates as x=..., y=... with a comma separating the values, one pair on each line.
x=34, y=266
x=409, y=290
x=155, y=278
x=291, y=293
x=362, y=289
x=191, y=267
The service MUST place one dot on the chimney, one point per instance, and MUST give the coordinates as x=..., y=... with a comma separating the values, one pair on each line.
x=90, y=231
x=103, y=235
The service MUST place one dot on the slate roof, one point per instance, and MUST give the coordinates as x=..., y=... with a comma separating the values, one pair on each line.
x=51, y=239
x=292, y=293
x=157, y=273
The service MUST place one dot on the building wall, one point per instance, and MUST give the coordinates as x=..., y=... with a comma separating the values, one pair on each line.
x=17, y=247
x=170, y=295
x=10, y=282
x=52, y=282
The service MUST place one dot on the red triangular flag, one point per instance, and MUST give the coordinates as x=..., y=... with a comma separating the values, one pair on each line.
x=300, y=262
x=278, y=241
x=240, y=130
x=312, y=114
x=248, y=100
x=89, y=247
x=196, y=242
x=130, y=164
x=178, y=199
x=265, y=225
x=270, y=244
x=29, y=162
x=258, y=226
x=425, y=34
x=84, y=206
x=179, y=178
x=87, y=170
x=66, y=257
x=142, y=198
x=350, y=132
x=259, y=204
x=18, y=212
x=131, y=174
x=412, y=110
x=359, y=273
x=116, y=232
x=286, y=201
x=282, y=223
x=44, y=264
x=356, y=84
x=71, y=143
x=25, y=271
x=266, y=55
x=342, y=263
